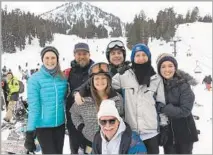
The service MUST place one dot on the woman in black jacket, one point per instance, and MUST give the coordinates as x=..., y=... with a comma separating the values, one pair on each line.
x=179, y=103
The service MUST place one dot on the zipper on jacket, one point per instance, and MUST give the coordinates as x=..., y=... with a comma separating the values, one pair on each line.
x=42, y=113
x=137, y=118
x=173, y=138
x=56, y=100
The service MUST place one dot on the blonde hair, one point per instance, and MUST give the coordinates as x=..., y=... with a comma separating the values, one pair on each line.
x=94, y=92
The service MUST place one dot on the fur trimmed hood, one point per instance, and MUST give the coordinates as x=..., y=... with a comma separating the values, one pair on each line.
x=187, y=77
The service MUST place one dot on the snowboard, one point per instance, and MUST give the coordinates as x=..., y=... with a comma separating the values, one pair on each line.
x=13, y=147
x=16, y=138
x=6, y=125
x=15, y=144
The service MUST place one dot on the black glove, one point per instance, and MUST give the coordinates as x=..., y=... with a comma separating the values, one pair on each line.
x=29, y=143
x=163, y=137
x=159, y=106
x=124, y=67
x=80, y=127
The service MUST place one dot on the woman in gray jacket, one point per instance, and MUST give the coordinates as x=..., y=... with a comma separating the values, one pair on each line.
x=142, y=89
x=84, y=116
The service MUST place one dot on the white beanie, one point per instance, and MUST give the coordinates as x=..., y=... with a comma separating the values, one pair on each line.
x=107, y=108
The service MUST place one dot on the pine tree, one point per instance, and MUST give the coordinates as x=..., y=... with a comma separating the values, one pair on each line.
x=188, y=17
x=194, y=15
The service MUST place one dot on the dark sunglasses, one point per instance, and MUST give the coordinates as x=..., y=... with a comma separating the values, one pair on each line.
x=110, y=121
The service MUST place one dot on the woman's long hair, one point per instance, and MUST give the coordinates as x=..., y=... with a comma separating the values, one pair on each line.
x=94, y=92
x=60, y=72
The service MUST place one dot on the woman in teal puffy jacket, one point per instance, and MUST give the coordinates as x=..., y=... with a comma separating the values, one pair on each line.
x=46, y=95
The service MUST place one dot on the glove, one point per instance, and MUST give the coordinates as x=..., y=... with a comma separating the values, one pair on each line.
x=29, y=143
x=80, y=127
x=78, y=99
x=163, y=137
x=159, y=106
x=124, y=67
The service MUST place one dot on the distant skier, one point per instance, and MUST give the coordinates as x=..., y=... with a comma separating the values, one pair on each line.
x=207, y=80
x=13, y=94
x=19, y=68
x=4, y=89
x=4, y=71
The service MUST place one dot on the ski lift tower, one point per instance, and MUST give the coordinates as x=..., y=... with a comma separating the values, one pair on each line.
x=197, y=69
x=175, y=40
x=197, y=72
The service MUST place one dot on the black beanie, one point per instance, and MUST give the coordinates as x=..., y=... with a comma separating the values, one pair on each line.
x=49, y=48
x=166, y=57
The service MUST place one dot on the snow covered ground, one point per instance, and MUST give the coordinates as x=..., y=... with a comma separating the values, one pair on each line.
x=196, y=38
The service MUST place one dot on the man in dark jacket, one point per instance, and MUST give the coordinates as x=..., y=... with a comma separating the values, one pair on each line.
x=77, y=75
x=5, y=90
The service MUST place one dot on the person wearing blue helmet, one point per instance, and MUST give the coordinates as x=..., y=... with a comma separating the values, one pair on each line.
x=143, y=89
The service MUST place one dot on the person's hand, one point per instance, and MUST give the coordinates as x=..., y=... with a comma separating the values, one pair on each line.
x=159, y=106
x=78, y=99
x=29, y=143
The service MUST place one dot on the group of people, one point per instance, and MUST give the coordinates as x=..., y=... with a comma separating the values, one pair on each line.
x=119, y=107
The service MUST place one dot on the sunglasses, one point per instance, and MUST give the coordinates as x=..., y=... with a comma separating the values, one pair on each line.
x=117, y=43
x=99, y=68
x=110, y=121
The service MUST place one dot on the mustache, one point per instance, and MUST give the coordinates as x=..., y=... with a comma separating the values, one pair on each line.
x=108, y=128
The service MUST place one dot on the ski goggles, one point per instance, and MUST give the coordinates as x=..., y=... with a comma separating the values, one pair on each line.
x=117, y=43
x=101, y=67
x=110, y=121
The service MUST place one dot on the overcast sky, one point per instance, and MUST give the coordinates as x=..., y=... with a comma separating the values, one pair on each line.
x=124, y=10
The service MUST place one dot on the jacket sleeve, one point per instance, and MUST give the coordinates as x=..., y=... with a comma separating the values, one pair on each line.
x=83, y=89
x=34, y=105
x=119, y=105
x=75, y=115
x=186, y=103
x=137, y=146
x=116, y=84
x=96, y=145
x=15, y=86
x=160, y=97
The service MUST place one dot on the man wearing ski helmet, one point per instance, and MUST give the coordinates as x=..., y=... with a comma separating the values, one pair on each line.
x=116, y=56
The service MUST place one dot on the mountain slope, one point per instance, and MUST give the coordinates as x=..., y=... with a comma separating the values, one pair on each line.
x=72, y=12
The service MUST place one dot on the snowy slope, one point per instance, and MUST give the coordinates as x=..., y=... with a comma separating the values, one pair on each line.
x=195, y=38
x=72, y=12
